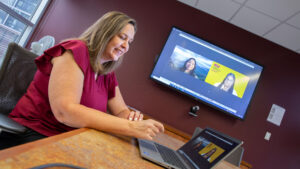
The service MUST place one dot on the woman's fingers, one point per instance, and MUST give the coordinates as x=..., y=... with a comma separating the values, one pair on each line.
x=147, y=129
x=154, y=128
x=141, y=116
x=159, y=126
x=135, y=116
x=151, y=133
x=131, y=115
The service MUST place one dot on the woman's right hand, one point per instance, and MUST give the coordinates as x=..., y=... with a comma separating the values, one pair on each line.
x=146, y=129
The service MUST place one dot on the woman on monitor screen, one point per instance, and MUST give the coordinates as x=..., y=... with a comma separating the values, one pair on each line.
x=75, y=86
x=189, y=67
x=227, y=84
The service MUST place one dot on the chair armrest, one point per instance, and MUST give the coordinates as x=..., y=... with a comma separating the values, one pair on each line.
x=9, y=125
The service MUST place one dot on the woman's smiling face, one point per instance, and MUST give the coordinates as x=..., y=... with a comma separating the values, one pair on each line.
x=119, y=44
x=190, y=65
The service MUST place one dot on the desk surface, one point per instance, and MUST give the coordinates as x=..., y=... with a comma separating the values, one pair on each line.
x=87, y=148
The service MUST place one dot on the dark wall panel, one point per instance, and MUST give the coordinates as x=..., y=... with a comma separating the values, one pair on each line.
x=279, y=83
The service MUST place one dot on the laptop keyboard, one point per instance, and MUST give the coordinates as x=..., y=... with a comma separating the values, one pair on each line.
x=169, y=156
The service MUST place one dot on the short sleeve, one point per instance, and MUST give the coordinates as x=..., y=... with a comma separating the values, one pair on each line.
x=78, y=48
x=112, y=84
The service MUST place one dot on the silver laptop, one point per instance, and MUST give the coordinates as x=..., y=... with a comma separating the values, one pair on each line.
x=203, y=151
x=234, y=158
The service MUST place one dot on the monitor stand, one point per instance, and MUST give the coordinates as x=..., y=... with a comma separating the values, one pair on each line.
x=234, y=158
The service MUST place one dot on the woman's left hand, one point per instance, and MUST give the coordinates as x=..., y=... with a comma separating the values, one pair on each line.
x=135, y=116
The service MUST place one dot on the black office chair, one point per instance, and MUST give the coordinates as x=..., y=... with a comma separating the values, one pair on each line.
x=16, y=73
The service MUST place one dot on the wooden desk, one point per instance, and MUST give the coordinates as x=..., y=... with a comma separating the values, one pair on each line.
x=87, y=148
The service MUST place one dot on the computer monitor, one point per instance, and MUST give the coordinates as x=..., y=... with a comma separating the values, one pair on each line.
x=207, y=73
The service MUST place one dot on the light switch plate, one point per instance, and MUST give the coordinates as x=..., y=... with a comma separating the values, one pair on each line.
x=267, y=136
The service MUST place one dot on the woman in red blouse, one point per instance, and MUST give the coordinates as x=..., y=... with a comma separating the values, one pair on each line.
x=75, y=86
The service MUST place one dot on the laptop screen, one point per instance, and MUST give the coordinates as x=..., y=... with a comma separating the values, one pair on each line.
x=208, y=148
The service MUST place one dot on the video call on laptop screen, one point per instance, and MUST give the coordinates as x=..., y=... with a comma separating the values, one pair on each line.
x=207, y=73
x=207, y=148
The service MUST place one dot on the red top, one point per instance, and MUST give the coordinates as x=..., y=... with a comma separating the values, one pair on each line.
x=33, y=109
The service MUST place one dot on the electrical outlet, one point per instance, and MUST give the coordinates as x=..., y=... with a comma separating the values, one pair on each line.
x=267, y=136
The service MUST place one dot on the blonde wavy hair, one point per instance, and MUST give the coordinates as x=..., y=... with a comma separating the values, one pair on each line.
x=100, y=33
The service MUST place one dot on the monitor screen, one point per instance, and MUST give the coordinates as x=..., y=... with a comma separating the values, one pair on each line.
x=207, y=73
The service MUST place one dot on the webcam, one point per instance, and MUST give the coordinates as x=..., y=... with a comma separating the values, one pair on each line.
x=193, y=111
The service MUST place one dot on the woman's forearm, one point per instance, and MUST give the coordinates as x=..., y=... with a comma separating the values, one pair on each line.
x=78, y=116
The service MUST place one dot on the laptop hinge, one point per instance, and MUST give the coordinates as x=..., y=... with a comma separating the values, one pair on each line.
x=187, y=159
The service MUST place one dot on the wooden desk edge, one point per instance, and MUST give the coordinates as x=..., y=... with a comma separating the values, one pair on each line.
x=25, y=147
x=182, y=136
x=11, y=152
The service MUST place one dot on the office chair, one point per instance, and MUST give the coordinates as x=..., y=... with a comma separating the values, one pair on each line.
x=16, y=73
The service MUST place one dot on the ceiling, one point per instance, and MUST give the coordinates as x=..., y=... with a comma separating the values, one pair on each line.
x=275, y=20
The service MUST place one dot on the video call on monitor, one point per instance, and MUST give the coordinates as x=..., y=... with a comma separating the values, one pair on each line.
x=207, y=73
